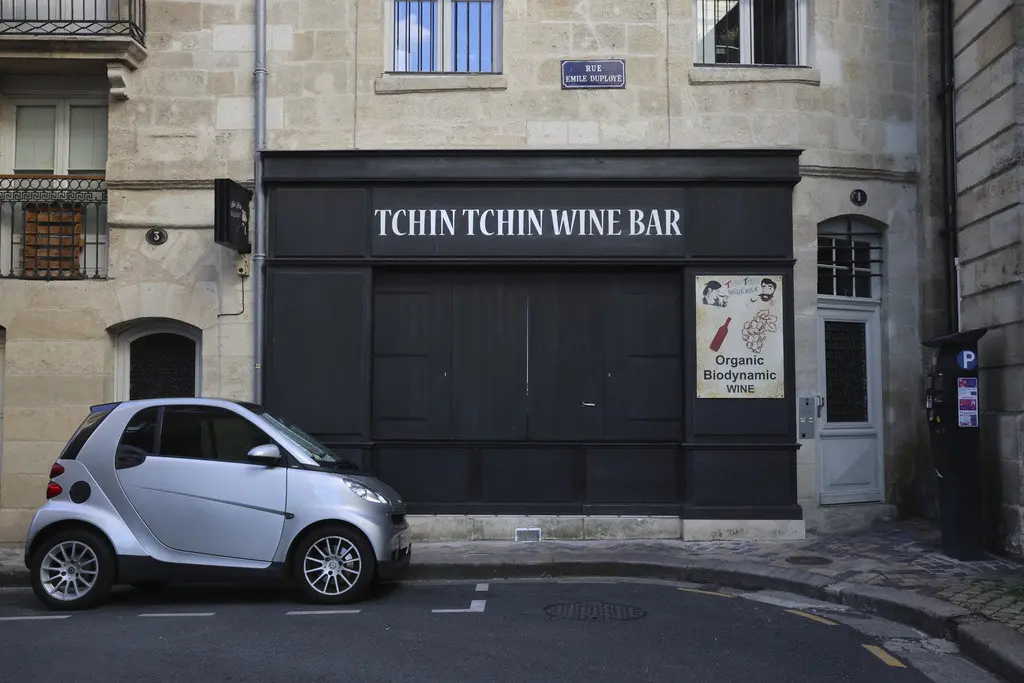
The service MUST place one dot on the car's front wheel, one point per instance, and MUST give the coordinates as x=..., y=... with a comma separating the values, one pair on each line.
x=73, y=570
x=334, y=565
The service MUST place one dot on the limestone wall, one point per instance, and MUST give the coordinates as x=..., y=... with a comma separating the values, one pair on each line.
x=989, y=71
x=189, y=119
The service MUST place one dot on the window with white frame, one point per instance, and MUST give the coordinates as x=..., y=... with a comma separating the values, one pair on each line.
x=443, y=36
x=53, y=198
x=751, y=32
x=849, y=258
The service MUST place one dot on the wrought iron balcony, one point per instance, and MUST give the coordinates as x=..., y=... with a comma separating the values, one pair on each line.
x=73, y=18
x=53, y=227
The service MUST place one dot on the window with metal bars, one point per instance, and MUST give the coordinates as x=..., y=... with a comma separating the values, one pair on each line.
x=751, y=32
x=444, y=36
x=849, y=259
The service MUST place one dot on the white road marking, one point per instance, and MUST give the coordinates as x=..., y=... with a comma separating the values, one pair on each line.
x=60, y=616
x=474, y=606
x=178, y=614
x=481, y=588
x=324, y=611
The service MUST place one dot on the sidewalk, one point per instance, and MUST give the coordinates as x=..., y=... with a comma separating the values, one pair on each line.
x=894, y=569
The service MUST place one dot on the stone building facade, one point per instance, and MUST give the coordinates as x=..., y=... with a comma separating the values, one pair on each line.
x=988, y=42
x=172, y=105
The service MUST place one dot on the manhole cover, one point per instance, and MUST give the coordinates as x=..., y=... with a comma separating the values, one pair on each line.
x=595, y=611
x=808, y=560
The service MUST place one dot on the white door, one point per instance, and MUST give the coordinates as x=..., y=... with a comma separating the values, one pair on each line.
x=850, y=431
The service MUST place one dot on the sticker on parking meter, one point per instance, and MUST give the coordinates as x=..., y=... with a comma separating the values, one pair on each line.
x=967, y=401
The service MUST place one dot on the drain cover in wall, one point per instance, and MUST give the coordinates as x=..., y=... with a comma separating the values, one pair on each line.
x=594, y=611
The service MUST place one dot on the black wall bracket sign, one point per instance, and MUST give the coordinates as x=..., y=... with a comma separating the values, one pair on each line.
x=231, y=215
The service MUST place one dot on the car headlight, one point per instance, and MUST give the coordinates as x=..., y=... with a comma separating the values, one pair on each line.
x=363, y=491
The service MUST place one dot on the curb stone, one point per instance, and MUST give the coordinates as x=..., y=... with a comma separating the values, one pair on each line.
x=988, y=643
x=995, y=645
x=14, y=578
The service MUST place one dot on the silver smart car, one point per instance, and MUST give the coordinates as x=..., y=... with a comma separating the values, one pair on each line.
x=150, y=492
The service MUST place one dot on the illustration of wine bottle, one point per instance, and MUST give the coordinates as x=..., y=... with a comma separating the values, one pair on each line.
x=716, y=343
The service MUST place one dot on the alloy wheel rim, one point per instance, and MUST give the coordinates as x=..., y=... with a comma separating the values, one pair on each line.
x=332, y=566
x=69, y=570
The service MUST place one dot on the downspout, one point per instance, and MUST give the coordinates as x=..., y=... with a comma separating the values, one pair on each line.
x=950, y=231
x=259, y=144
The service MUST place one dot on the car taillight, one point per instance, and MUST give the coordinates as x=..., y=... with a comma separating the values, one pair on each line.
x=56, y=470
x=53, y=489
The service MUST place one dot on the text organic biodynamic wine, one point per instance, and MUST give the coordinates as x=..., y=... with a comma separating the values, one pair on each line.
x=716, y=343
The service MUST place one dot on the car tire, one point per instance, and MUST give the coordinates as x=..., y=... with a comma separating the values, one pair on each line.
x=71, y=559
x=325, y=563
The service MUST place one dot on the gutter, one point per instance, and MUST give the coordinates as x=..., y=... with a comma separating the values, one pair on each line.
x=951, y=229
x=259, y=145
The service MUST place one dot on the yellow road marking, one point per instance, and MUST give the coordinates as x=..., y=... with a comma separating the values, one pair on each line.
x=884, y=656
x=696, y=590
x=813, y=617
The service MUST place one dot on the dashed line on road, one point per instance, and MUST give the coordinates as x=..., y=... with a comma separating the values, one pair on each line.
x=299, y=613
x=884, y=656
x=474, y=606
x=32, y=618
x=697, y=590
x=812, y=617
x=481, y=587
x=177, y=614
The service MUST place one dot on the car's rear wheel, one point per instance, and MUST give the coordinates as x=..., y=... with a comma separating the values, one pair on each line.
x=334, y=565
x=73, y=570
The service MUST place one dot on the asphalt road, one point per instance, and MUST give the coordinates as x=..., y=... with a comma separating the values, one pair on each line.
x=529, y=631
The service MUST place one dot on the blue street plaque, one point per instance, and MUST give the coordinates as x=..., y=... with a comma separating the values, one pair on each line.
x=593, y=73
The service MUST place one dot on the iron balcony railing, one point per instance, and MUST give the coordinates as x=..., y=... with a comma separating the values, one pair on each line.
x=53, y=227
x=74, y=18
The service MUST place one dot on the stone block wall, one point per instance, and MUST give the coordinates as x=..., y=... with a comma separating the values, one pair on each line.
x=855, y=112
x=989, y=78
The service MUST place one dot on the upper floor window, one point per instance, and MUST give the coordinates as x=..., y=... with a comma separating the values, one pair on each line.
x=53, y=197
x=751, y=32
x=444, y=36
x=59, y=137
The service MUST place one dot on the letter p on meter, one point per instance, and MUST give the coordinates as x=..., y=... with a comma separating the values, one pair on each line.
x=967, y=360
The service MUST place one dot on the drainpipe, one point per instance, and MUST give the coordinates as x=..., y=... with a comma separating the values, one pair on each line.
x=259, y=144
x=949, y=166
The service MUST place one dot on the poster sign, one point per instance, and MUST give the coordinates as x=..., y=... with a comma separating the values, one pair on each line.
x=967, y=401
x=740, y=353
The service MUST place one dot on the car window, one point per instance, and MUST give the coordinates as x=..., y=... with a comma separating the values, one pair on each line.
x=208, y=433
x=141, y=431
x=84, y=431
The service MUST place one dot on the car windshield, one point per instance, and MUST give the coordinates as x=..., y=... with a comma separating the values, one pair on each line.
x=320, y=453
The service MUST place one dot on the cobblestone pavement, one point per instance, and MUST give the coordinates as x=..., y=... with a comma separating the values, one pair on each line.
x=905, y=554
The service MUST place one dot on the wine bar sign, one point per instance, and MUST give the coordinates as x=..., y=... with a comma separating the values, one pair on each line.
x=740, y=353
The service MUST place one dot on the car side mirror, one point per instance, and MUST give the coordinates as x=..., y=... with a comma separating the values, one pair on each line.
x=267, y=454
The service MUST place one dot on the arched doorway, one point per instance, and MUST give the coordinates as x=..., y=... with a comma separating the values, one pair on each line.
x=159, y=359
x=849, y=360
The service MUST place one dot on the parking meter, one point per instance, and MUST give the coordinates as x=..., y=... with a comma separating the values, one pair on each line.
x=951, y=404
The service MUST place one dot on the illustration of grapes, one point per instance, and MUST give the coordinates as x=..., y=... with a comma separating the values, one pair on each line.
x=756, y=330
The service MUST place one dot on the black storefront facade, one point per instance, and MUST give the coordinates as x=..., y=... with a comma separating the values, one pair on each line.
x=541, y=332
